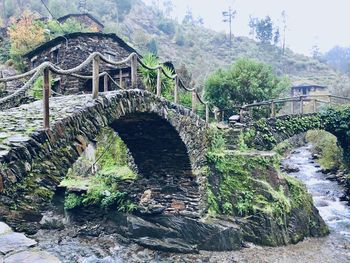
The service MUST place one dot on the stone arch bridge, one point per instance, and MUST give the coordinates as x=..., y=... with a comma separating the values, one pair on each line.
x=264, y=134
x=166, y=140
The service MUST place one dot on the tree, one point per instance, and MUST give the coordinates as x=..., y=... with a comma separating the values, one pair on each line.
x=244, y=82
x=69, y=26
x=188, y=18
x=284, y=22
x=276, y=36
x=263, y=28
x=315, y=51
x=152, y=46
x=168, y=7
x=25, y=33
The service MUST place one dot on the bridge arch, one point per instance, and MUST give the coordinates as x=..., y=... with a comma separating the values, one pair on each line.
x=264, y=134
x=36, y=162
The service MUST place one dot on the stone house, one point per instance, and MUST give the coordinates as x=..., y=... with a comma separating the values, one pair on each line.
x=315, y=91
x=85, y=21
x=308, y=89
x=71, y=50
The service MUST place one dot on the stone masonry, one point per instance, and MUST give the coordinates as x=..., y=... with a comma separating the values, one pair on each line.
x=33, y=161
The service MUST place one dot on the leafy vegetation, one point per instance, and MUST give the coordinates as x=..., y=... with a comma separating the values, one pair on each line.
x=263, y=29
x=245, y=82
x=245, y=186
x=25, y=33
x=103, y=187
x=325, y=146
x=149, y=77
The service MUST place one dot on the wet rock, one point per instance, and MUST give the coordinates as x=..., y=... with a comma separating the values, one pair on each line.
x=14, y=242
x=167, y=245
x=137, y=227
x=291, y=168
x=32, y=257
x=4, y=229
x=331, y=177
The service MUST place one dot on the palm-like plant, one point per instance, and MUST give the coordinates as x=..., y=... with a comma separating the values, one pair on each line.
x=149, y=77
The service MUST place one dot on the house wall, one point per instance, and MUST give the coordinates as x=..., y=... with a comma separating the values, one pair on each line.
x=73, y=51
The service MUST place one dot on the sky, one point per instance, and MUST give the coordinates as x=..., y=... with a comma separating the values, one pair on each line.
x=325, y=23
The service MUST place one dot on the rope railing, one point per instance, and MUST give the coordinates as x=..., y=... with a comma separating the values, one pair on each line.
x=301, y=99
x=47, y=68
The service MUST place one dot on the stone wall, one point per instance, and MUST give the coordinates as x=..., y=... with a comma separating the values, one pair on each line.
x=33, y=161
x=72, y=51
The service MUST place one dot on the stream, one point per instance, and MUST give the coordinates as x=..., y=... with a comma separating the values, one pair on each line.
x=71, y=247
x=325, y=193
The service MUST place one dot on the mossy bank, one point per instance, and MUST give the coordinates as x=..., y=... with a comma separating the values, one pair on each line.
x=247, y=186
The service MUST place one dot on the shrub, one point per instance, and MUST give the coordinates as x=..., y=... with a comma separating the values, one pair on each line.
x=167, y=26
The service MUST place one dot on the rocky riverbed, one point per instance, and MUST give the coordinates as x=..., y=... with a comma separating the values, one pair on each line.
x=85, y=244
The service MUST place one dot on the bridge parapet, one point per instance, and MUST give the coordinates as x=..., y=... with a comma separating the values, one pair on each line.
x=96, y=58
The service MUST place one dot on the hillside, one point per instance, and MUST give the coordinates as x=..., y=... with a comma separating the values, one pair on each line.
x=205, y=50
x=202, y=50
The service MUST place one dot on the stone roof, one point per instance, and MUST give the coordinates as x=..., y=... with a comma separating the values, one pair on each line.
x=63, y=18
x=308, y=85
x=64, y=38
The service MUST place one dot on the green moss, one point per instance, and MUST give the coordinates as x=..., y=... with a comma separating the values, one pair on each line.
x=44, y=193
x=298, y=193
x=213, y=207
x=283, y=148
x=72, y=201
x=244, y=187
x=325, y=145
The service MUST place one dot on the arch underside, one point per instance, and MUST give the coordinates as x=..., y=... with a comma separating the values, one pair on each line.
x=162, y=161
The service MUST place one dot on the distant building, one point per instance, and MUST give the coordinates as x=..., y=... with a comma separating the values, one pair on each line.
x=71, y=50
x=311, y=93
x=308, y=89
x=85, y=21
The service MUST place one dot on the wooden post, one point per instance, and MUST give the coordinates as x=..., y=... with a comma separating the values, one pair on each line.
x=206, y=113
x=159, y=81
x=95, y=76
x=273, y=109
x=176, y=90
x=134, y=65
x=314, y=105
x=216, y=114
x=105, y=83
x=194, y=100
x=241, y=113
x=46, y=100
x=121, y=78
x=292, y=101
x=301, y=105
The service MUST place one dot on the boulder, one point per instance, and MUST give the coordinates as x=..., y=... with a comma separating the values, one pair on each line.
x=291, y=168
x=32, y=256
x=14, y=242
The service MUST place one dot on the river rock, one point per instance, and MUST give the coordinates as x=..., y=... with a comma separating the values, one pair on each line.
x=32, y=257
x=14, y=242
x=167, y=244
x=4, y=229
x=291, y=168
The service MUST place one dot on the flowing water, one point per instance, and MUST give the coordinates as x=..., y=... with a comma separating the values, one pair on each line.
x=326, y=194
x=70, y=247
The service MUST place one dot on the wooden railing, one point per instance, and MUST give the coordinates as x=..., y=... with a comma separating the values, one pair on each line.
x=95, y=58
x=324, y=99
